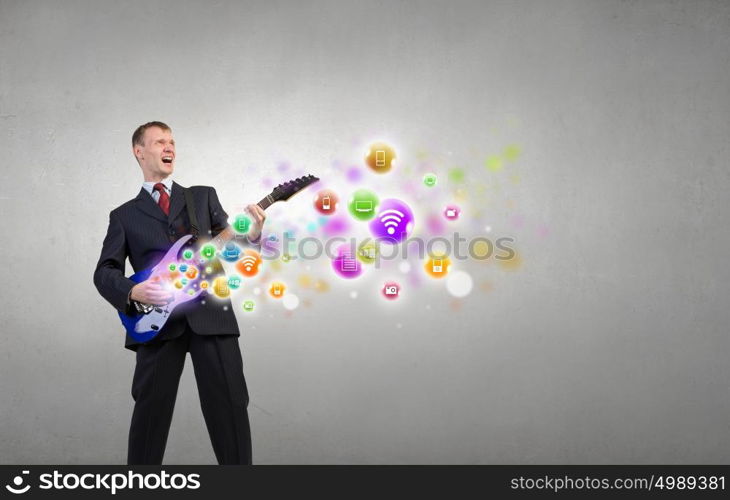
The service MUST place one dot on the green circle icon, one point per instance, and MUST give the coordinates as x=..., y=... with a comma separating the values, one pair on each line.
x=429, y=180
x=208, y=251
x=188, y=254
x=363, y=204
x=242, y=224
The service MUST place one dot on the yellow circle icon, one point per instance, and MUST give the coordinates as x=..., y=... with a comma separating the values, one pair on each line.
x=367, y=252
x=380, y=157
x=220, y=287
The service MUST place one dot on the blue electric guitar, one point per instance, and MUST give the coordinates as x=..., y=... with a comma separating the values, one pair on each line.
x=184, y=275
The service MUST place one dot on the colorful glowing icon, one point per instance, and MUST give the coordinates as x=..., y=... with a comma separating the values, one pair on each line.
x=192, y=272
x=380, y=157
x=183, y=268
x=178, y=284
x=437, y=266
x=220, y=287
x=277, y=289
x=345, y=262
x=429, y=180
x=204, y=285
x=230, y=252
x=172, y=267
x=249, y=264
x=363, y=204
x=368, y=251
x=188, y=254
x=452, y=212
x=391, y=290
x=234, y=282
x=241, y=224
x=248, y=305
x=208, y=251
x=394, y=221
x=326, y=201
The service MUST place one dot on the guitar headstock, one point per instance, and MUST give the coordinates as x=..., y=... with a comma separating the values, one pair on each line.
x=284, y=191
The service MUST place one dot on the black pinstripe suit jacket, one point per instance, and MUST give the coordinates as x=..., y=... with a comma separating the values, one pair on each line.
x=139, y=230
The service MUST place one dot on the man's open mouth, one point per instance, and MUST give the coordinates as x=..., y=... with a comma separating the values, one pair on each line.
x=167, y=159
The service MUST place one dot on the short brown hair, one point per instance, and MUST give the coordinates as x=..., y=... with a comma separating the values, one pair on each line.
x=138, y=136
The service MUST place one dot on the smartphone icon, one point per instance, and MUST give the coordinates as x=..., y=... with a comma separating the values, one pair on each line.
x=437, y=266
x=379, y=158
x=326, y=203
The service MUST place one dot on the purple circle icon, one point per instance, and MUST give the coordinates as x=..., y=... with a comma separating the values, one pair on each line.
x=394, y=221
x=345, y=262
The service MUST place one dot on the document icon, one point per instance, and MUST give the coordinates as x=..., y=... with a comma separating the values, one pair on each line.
x=348, y=263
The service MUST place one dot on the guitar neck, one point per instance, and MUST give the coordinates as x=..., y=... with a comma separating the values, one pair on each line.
x=282, y=192
x=228, y=233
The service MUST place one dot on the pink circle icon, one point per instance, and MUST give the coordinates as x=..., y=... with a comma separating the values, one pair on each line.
x=391, y=290
x=345, y=262
x=452, y=212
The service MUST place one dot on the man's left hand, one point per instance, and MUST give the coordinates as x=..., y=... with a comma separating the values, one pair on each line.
x=258, y=216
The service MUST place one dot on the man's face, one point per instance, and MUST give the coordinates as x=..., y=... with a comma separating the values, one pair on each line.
x=157, y=155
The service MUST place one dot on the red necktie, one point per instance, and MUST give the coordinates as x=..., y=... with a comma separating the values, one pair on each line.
x=164, y=201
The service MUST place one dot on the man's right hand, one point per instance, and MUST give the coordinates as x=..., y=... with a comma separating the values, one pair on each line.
x=150, y=292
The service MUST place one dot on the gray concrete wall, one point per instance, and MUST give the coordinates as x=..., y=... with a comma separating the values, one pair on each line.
x=608, y=345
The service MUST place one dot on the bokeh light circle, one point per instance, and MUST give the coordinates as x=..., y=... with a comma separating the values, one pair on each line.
x=459, y=284
x=290, y=301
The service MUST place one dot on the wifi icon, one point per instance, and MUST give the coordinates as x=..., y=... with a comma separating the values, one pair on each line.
x=394, y=221
x=248, y=265
x=391, y=219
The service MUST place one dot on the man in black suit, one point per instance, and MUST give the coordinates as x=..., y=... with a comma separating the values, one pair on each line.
x=143, y=229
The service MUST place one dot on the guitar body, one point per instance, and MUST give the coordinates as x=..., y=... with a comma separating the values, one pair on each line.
x=144, y=327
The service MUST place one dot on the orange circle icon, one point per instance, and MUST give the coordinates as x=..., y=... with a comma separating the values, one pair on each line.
x=248, y=264
x=437, y=266
x=277, y=289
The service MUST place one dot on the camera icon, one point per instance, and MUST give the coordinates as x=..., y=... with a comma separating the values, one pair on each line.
x=391, y=290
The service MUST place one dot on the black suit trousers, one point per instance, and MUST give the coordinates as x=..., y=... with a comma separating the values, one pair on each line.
x=222, y=390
